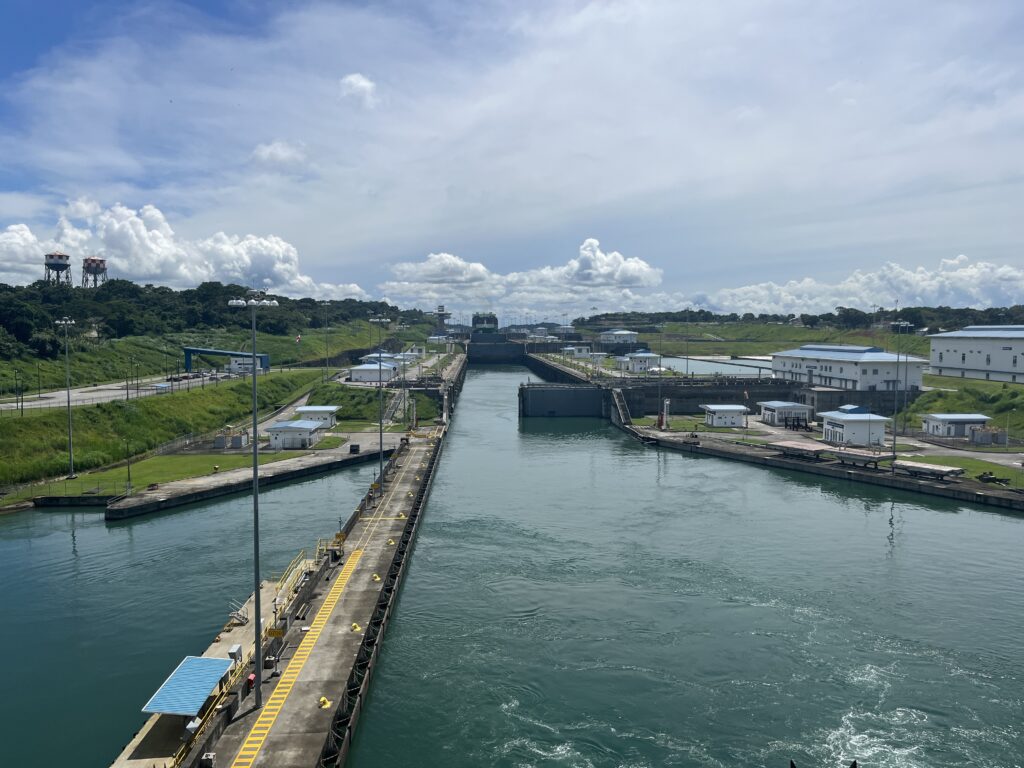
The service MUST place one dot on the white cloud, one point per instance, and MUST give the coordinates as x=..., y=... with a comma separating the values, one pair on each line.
x=592, y=276
x=141, y=245
x=360, y=87
x=280, y=154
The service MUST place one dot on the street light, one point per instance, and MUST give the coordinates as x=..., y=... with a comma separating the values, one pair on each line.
x=379, y=321
x=66, y=323
x=254, y=302
x=327, y=354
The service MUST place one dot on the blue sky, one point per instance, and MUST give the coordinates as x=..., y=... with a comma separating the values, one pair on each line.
x=524, y=156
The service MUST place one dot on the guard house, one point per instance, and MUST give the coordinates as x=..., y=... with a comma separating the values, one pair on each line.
x=373, y=372
x=725, y=415
x=782, y=413
x=853, y=425
x=300, y=433
x=619, y=336
x=953, y=424
x=325, y=414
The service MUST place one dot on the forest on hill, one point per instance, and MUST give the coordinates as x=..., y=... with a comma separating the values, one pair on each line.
x=121, y=308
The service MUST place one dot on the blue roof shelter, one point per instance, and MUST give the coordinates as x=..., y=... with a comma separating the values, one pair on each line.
x=263, y=361
x=188, y=687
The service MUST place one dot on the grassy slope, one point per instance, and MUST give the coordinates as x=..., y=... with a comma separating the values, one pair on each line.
x=992, y=398
x=34, y=446
x=102, y=360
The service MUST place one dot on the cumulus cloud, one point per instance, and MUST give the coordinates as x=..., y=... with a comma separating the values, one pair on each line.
x=280, y=155
x=957, y=282
x=141, y=245
x=593, y=275
x=360, y=87
x=611, y=282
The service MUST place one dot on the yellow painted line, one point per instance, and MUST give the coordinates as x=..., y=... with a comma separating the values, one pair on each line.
x=261, y=728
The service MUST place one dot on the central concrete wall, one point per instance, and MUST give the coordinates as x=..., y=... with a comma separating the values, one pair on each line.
x=561, y=400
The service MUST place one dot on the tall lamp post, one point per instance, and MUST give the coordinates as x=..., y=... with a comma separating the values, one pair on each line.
x=327, y=354
x=380, y=321
x=66, y=323
x=256, y=300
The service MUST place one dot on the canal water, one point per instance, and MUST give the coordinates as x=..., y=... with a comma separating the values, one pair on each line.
x=577, y=599
x=703, y=367
x=96, y=615
x=574, y=599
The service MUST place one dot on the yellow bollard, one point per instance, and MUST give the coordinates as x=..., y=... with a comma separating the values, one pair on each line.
x=376, y=577
x=356, y=627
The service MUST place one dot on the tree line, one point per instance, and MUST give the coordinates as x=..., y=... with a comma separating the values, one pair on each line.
x=931, y=319
x=122, y=308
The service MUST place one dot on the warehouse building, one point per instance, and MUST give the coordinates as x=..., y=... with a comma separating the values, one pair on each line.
x=991, y=352
x=847, y=366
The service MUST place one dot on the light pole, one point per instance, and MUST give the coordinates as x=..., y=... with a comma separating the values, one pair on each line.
x=1012, y=410
x=255, y=301
x=19, y=396
x=379, y=321
x=66, y=323
x=327, y=354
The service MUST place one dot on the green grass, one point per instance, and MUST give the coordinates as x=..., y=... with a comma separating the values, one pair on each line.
x=975, y=467
x=34, y=447
x=329, y=442
x=355, y=403
x=992, y=398
x=765, y=338
x=365, y=426
x=156, y=469
x=97, y=361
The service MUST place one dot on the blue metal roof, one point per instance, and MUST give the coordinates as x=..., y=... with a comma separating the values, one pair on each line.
x=295, y=424
x=186, y=690
x=847, y=353
x=967, y=417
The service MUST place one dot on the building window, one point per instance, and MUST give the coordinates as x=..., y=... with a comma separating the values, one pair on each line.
x=940, y=360
x=863, y=372
x=987, y=376
x=988, y=361
x=874, y=372
x=1014, y=365
x=963, y=359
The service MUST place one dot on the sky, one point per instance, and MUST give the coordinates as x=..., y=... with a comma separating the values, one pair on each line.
x=522, y=156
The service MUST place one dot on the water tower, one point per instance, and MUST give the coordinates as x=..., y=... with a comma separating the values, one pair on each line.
x=94, y=271
x=58, y=268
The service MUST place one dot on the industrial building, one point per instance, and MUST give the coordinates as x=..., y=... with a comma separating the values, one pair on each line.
x=991, y=352
x=725, y=415
x=619, y=336
x=782, y=413
x=953, y=424
x=853, y=425
x=325, y=414
x=373, y=372
x=846, y=366
x=299, y=433
x=638, y=362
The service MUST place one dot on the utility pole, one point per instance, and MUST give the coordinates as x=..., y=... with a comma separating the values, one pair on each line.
x=66, y=323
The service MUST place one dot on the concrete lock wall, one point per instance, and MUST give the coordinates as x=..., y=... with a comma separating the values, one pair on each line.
x=561, y=400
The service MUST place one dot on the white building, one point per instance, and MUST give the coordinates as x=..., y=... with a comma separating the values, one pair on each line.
x=953, y=424
x=577, y=352
x=725, y=415
x=853, y=425
x=637, y=362
x=619, y=336
x=374, y=372
x=325, y=414
x=784, y=413
x=300, y=433
x=994, y=352
x=845, y=366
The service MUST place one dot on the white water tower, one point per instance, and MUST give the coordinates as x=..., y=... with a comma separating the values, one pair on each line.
x=94, y=271
x=57, y=268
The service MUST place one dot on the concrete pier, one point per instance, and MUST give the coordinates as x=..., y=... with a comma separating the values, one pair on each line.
x=324, y=621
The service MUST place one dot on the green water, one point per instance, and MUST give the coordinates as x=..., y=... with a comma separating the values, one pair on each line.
x=574, y=599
